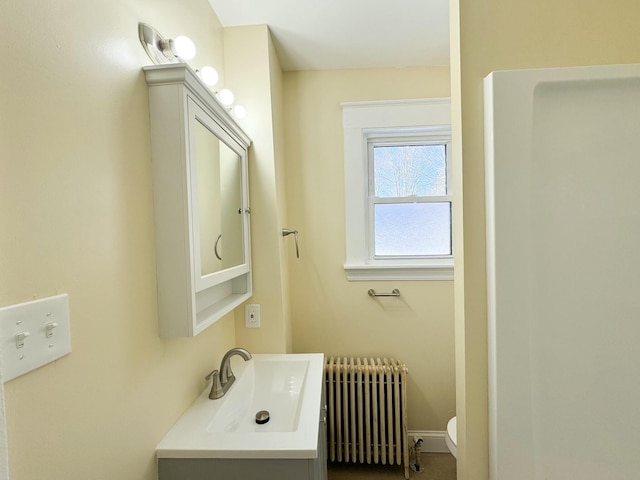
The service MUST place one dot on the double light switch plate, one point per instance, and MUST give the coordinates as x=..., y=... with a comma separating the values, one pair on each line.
x=33, y=334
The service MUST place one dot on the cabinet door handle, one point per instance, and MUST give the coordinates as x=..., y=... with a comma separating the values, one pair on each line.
x=215, y=247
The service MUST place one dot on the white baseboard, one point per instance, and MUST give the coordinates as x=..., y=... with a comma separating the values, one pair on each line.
x=432, y=441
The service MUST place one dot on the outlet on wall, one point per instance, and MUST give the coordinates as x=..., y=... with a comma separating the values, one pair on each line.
x=252, y=315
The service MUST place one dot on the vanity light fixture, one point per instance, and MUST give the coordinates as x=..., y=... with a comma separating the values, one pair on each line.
x=183, y=47
x=239, y=112
x=165, y=50
x=209, y=75
x=225, y=96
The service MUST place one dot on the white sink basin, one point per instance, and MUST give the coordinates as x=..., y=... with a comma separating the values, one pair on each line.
x=275, y=386
x=289, y=387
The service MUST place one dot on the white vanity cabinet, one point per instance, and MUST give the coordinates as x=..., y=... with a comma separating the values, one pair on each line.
x=249, y=468
x=244, y=468
x=201, y=202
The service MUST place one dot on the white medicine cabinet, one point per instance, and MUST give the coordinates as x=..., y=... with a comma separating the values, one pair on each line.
x=201, y=202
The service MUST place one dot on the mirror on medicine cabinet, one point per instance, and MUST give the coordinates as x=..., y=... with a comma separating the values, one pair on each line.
x=201, y=202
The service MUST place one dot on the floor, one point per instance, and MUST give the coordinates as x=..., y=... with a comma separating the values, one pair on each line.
x=436, y=466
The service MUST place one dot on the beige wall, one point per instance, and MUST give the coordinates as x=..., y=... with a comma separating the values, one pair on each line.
x=286, y=249
x=77, y=216
x=254, y=74
x=77, y=210
x=330, y=314
x=76, y=204
x=499, y=35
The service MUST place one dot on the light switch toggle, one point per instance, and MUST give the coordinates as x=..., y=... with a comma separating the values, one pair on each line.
x=20, y=339
x=48, y=328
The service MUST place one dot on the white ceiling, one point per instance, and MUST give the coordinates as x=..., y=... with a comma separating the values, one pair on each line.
x=337, y=34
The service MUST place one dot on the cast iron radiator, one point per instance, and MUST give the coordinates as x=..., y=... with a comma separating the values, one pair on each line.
x=367, y=411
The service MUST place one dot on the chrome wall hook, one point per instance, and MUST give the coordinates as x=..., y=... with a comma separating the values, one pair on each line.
x=285, y=232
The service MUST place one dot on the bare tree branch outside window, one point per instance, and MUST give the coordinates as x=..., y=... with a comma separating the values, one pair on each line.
x=410, y=170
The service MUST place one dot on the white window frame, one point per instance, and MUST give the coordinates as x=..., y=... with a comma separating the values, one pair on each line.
x=363, y=121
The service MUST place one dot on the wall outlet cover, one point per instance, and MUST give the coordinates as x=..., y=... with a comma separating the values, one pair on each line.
x=252, y=316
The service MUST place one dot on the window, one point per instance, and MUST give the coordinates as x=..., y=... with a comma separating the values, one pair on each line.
x=409, y=201
x=398, y=190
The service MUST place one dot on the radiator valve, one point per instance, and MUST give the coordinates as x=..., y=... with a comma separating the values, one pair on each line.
x=417, y=449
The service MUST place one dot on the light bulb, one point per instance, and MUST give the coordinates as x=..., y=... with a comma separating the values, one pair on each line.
x=209, y=75
x=239, y=112
x=226, y=96
x=184, y=47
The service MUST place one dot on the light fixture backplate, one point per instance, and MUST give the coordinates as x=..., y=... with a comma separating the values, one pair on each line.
x=151, y=41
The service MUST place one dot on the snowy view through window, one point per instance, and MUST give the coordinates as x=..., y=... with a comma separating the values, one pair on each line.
x=410, y=216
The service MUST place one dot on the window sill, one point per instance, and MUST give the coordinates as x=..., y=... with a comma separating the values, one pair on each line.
x=443, y=271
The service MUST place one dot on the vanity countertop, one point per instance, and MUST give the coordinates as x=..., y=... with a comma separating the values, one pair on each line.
x=289, y=386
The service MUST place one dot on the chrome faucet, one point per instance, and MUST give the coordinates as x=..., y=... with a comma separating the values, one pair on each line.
x=224, y=378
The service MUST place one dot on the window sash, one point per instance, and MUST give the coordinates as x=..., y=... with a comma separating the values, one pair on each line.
x=387, y=139
x=399, y=257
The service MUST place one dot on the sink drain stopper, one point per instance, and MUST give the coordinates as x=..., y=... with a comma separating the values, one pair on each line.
x=262, y=417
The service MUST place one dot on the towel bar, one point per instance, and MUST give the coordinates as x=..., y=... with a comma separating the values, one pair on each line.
x=394, y=293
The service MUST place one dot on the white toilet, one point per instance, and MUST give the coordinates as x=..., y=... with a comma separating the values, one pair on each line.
x=452, y=436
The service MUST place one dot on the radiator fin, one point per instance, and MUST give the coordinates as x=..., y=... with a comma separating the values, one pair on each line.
x=367, y=411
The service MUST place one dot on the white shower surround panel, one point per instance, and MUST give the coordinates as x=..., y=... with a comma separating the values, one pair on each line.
x=563, y=266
